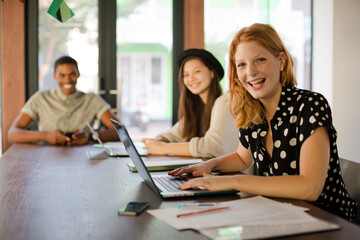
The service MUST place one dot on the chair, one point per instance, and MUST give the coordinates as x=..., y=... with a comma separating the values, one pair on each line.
x=350, y=172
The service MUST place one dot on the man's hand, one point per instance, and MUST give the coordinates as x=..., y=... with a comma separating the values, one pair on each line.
x=80, y=137
x=56, y=137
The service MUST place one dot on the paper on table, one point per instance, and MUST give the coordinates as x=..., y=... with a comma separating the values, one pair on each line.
x=241, y=211
x=261, y=231
x=295, y=217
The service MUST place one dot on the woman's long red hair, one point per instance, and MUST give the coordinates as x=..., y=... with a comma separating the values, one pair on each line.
x=243, y=106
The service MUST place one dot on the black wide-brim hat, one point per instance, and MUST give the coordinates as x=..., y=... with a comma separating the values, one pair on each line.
x=205, y=56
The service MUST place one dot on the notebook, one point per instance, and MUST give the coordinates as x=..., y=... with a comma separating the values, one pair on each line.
x=161, y=183
x=115, y=151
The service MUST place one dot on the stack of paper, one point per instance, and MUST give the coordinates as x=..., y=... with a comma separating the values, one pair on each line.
x=250, y=218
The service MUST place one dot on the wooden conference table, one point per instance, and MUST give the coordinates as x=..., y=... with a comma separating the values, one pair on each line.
x=51, y=192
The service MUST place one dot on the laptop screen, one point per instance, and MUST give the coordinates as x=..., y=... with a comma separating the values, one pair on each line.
x=133, y=153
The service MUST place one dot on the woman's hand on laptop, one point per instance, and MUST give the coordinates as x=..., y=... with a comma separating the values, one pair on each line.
x=197, y=170
x=211, y=183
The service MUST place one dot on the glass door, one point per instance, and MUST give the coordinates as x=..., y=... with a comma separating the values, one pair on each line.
x=144, y=65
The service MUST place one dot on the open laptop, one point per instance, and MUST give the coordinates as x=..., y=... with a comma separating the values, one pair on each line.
x=161, y=183
x=115, y=151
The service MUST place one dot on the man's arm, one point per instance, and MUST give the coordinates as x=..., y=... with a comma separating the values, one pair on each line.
x=109, y=134
x=18, y=132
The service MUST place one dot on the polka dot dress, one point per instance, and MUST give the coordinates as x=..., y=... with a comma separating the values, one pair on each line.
x=298, y=114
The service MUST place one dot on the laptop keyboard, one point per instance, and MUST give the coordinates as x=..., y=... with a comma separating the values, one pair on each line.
x=170, y=183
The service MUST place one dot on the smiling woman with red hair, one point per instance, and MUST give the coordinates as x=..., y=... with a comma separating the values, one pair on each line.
x=287, y=132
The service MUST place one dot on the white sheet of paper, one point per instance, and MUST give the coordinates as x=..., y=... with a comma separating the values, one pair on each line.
x=267, y=230
x=241, y=211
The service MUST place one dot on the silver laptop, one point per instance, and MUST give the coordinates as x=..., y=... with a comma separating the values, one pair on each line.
x=161, y=183
x=115, y=151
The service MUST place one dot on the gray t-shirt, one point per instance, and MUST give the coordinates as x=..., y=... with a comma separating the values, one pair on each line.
x=53, y=110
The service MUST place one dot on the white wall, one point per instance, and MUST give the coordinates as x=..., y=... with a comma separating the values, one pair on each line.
x=322, y=61
x=336, y=68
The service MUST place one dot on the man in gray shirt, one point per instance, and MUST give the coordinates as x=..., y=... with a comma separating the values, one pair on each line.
x=62, y=113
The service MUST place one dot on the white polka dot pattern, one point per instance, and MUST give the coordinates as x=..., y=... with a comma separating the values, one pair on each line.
x=297, y=116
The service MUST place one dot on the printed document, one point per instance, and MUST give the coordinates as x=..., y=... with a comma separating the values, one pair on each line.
x=241, y=211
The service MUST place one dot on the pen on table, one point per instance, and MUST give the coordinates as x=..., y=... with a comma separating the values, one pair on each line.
x=205, y=204
x=200, y=212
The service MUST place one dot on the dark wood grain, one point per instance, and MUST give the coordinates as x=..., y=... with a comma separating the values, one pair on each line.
x=51, y=192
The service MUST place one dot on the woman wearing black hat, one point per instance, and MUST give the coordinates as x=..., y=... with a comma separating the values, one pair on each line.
x=205, y=127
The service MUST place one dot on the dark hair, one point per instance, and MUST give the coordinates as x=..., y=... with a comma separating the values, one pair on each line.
x=192, y=111
x=66, y=60
x=206, y=57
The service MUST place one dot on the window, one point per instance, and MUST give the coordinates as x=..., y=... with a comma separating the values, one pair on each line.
x=143, y=62
x=77, y=37
x=144, y=71
x=156, y=70
x=290, y=18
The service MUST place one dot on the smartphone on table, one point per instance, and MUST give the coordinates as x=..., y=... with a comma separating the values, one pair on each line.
x=69, y=134
x=133, y=208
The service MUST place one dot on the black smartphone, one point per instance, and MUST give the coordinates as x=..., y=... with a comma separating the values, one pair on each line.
x=133, y=208
x=69, y=134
